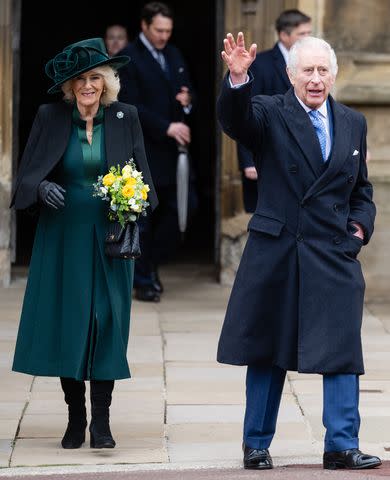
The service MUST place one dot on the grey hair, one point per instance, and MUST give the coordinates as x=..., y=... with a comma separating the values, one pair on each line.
x=311, y=42
x=111, y=86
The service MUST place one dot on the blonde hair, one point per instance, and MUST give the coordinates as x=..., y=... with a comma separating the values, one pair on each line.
x=111, y=86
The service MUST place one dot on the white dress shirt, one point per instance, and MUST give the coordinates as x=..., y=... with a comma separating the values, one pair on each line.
x=284, y=51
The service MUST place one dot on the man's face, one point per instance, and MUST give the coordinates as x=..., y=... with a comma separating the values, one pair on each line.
x=159, y=31
x=313, y=79
x=302, y=30
x=116, y=39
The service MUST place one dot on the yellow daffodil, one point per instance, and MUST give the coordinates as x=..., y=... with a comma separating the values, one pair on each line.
x=144, y=194
x=108, y=179
x=128, y=191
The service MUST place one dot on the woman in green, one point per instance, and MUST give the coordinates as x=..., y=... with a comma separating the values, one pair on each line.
x=76, y=310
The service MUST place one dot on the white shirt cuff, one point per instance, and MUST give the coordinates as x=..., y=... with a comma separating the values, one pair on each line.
x=238, y=85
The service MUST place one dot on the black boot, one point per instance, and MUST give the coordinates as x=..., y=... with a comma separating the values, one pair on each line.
x=74, y=391
x=99, y=428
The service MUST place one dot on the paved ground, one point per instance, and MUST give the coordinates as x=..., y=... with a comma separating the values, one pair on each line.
x=181, y=407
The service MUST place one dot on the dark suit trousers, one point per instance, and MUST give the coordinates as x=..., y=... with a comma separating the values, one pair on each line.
x=264, y=386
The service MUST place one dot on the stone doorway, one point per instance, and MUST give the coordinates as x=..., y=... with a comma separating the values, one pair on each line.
x=42, y=37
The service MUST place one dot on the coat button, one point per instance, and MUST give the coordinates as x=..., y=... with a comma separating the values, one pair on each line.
x=350, y=179
x=335, y=207
x=293, y=168
x=337, y=240
x=299, y=237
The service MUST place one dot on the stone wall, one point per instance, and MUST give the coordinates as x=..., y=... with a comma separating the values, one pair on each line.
x=5, y=138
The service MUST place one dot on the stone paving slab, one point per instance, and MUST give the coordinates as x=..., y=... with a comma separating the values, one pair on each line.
x=181, y=407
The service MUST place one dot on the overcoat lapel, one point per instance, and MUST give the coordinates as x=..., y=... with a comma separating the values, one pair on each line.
x=152, y=65
x=341, y=143
x=299, y=124
x=116, y=139
x=280, y=65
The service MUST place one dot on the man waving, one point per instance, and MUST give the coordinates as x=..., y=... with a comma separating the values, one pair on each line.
x=297, y=301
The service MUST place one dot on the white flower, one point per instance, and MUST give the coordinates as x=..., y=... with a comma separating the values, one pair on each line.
x=137, y=208
x=114, y=208
x=104, y=190
x=126, y=171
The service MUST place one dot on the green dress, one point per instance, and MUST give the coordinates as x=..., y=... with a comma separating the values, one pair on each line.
x=76, y=311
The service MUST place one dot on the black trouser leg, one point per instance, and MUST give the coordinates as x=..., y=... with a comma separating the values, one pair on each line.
x=101, y=394
x=74, y=393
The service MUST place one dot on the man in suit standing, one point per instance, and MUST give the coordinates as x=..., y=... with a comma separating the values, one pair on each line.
x=297, y=301
x=270, y=78
x=157, y=82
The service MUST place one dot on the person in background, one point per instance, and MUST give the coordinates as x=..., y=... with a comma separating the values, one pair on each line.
x=157, y=82
x=76, y=310
x=115, y=39
x=270, y=78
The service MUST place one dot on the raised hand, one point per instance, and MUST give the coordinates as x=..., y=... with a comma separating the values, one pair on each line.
x=237, y=58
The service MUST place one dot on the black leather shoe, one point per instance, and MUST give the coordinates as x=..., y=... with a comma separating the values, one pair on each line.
x=156, y=282
x=257, y=459
x=147, y=294
x=352, y=459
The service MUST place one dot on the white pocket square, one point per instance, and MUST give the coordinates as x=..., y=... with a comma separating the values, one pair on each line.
x=356, y=152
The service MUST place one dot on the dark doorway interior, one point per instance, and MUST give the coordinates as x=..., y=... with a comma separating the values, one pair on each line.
x=44, y=34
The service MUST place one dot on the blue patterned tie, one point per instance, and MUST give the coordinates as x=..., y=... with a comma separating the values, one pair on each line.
x=320, y=129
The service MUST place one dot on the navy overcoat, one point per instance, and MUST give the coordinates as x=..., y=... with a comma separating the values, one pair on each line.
x=297, y=300
x=144, y=84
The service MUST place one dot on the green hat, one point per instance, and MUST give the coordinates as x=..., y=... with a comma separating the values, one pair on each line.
x=78, y=58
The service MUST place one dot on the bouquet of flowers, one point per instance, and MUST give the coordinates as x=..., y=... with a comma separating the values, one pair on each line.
x=127, y=194
x=125, y=190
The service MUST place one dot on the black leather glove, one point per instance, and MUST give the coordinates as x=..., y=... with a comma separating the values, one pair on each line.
x=51, y=194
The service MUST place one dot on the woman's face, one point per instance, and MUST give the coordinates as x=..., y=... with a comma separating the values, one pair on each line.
x=88, y=88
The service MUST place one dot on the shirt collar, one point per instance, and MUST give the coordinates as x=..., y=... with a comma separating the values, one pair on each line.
x=146, y=42
x=284, y=51
x=323, y=110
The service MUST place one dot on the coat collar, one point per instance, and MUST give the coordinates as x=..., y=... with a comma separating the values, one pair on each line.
x=299, y=124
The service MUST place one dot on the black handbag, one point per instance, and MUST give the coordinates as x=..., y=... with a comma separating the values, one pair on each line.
x=122, y=242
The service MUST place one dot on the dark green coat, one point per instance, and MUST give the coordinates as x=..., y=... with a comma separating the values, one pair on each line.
x=76, y=310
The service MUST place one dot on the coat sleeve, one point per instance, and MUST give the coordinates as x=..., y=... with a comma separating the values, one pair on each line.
x=139, y=156
x=35, y=133
x=245, y=157
x=362, y=208
x=242, y=118
x=154, y=125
